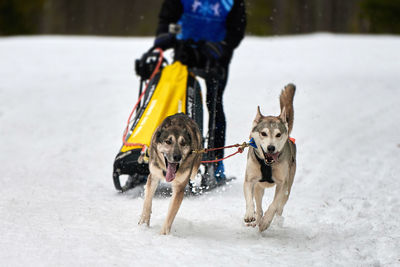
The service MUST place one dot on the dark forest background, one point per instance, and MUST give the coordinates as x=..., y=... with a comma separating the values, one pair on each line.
x=139, y=17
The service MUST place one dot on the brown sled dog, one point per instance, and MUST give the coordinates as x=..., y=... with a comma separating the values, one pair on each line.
x=171, y=158
x=273, y=162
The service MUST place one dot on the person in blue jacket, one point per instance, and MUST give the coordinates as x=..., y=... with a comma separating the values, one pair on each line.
x=220, y=26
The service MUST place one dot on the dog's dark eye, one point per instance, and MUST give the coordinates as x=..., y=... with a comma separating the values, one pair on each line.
x=278, y=135
x=264, y=134
x=183, y=143
x=168, y=142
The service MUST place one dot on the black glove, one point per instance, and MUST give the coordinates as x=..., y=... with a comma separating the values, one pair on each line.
x=215, y=50
x=165, y=41
x=146, y=65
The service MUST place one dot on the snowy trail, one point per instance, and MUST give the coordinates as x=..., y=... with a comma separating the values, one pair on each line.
x=63, y=105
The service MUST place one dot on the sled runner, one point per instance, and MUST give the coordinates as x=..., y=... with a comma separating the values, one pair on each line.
x=172, y=89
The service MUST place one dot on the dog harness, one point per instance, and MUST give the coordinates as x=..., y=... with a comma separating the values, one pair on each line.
x=266, y=171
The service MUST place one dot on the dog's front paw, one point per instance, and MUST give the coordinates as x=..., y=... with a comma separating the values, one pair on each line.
x=264, y=224
x=165, y=231
x=249, y=218
x=145, y=218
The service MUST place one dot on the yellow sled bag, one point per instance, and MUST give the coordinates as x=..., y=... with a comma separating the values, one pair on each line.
x=172, y=90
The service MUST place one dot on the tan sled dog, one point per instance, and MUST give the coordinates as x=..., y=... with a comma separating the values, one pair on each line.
x=171, y=158
x=273, y=162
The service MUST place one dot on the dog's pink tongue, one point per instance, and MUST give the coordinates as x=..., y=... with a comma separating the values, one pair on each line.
x=272, y=157
x=171, y=171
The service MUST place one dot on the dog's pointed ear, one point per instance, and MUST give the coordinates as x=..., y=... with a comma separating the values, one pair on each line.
x=283, y=115
x=258, y=116
x=284, y=118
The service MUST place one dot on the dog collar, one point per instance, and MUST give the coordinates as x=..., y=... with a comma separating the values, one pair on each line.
x=252, y=143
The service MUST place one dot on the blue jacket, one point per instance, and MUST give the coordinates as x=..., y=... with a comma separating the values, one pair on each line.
x=204, y=20
x=209, y=20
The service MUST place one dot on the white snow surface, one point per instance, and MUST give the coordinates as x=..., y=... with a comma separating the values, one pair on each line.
x=64, y=102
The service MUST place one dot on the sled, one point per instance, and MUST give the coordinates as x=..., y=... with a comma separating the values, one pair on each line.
x=174, y=88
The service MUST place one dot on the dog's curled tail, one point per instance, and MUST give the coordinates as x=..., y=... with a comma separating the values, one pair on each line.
x=286, y=103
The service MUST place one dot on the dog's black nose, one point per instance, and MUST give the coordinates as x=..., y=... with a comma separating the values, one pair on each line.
x=177, y=158
x=271, y=148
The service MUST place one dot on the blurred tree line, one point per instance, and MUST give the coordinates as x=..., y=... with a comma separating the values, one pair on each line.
x=139, y=17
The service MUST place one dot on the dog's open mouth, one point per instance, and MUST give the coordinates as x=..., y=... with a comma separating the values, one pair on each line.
x=270, y=157
x=172, y=168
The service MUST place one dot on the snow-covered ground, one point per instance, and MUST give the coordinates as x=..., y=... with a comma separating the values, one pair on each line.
x=64, y=102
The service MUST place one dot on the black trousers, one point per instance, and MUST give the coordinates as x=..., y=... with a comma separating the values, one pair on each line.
x=215, y=91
